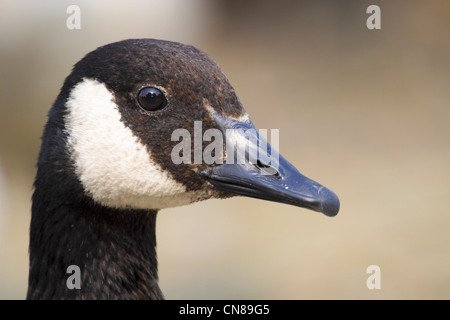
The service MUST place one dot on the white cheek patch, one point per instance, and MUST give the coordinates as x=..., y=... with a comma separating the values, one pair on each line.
x=113, y=166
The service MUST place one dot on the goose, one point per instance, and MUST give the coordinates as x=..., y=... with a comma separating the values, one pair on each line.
x=109, y=162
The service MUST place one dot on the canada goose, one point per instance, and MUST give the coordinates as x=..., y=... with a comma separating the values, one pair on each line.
x=105, y=167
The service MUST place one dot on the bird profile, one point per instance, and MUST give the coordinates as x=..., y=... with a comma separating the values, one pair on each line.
x=113, y=155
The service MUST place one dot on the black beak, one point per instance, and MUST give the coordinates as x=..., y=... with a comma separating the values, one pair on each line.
x=262, y=173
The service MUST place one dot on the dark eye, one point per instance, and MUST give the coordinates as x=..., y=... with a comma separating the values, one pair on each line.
x=151, y=99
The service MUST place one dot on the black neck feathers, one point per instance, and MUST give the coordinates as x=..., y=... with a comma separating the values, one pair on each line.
x=114, y=250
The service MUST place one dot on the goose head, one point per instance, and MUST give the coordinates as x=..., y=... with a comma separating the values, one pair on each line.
x=142, y=125
x=137, y=108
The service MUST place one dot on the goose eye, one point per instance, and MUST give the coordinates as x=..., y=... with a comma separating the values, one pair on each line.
x=151, y=99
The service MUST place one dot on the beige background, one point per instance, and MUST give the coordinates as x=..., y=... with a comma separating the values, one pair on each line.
x=366, y=113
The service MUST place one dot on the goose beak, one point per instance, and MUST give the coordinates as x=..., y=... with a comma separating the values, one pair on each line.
x=260, y=172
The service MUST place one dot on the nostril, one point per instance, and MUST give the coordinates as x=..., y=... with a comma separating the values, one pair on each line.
x=261, y=164
x=266, y=169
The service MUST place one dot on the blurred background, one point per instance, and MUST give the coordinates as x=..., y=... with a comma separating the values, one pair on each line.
x=364, y=112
